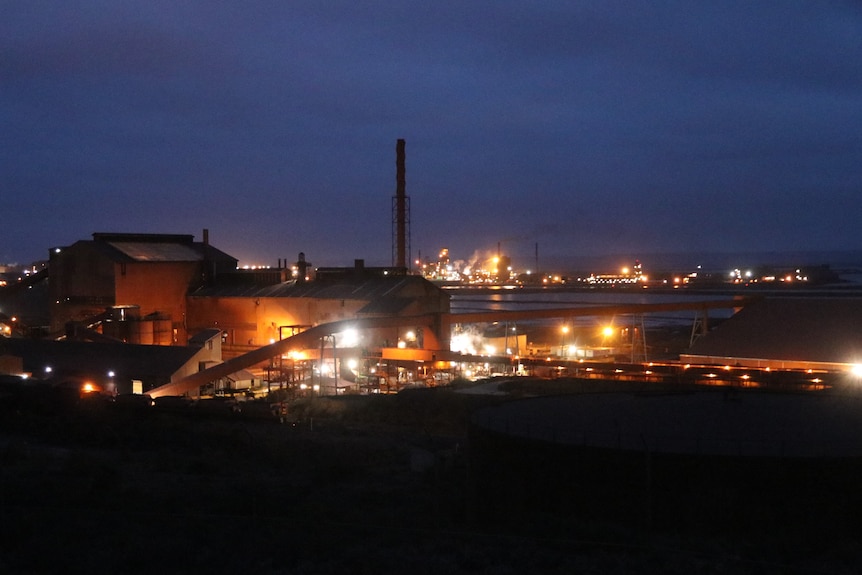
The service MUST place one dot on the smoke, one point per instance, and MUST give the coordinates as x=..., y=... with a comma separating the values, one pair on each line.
x=467, y=340
x=477, y=261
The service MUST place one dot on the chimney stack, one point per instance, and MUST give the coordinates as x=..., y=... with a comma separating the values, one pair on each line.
x=400, y=209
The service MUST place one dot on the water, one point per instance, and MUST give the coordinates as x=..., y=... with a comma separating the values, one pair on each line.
x=847, y=264
x=467, y=300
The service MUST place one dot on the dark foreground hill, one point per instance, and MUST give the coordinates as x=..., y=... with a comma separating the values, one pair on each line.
x=356, y=485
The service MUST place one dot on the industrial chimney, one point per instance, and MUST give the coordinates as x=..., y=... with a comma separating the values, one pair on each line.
x=400, y=212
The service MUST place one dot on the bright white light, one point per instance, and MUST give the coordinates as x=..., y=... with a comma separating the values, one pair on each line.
x=856, y=370
x=111, y=374
x=352, y=363
x=349, y=338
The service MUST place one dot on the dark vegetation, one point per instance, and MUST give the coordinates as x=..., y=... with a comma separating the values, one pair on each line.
x=371, y=484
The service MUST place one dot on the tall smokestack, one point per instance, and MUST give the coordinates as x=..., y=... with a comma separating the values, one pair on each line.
x=400, y=209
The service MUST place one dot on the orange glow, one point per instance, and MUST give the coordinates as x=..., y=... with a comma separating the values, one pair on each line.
x=88, y=388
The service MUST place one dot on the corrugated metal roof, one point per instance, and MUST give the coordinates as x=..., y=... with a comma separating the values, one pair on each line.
x=803, y=329
x=365, y=289
x=155, y=361
x=385, y=306
x=158, y=251
x=203, y=336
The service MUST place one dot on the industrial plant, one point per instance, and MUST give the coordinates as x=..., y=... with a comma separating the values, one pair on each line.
x=301, y=329
x=642, y=399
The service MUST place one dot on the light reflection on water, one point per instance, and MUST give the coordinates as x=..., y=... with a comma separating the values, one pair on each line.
x=462, y=302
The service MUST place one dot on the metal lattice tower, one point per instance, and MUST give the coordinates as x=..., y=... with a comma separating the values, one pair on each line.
x=639, y=345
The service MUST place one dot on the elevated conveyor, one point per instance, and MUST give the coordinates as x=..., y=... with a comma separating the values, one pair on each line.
x=438, y=323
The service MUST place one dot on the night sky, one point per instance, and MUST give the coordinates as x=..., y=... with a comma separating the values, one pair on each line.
x=579, y=127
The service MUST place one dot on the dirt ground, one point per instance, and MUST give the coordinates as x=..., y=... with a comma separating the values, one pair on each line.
x=357, y=485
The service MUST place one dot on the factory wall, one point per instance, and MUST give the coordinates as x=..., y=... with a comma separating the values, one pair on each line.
x=249, y=322
x=158, y=287
x=81, y=284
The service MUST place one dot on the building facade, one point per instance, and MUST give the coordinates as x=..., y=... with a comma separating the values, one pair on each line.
x=141, y=279
x=251, y=315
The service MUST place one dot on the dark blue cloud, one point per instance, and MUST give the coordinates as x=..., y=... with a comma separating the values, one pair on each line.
x=582, y=127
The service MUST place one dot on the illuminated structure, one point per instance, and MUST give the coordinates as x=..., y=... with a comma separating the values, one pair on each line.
x=144, y=277
x=255, y=314
x=627, y=275
x=496, y=269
